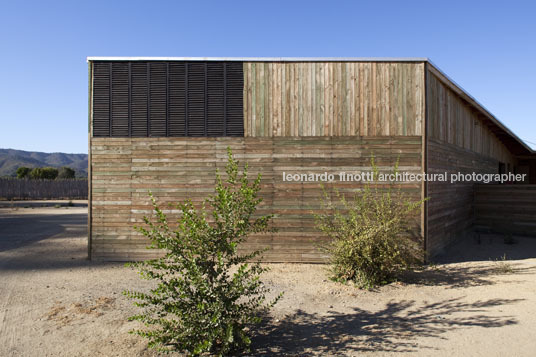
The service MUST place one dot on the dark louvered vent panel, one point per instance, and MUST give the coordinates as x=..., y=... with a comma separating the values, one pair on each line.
x=120, y=111
x=158, y=99
x=138, y=98
x=101, y=99
x=215, y=99
x=234, y=107
x=196, y=99
x=177, y=99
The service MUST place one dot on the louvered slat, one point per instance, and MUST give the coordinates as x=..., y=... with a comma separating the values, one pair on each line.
x=158, y=99
x=139, y=98
x=234, y=99
x=196, y=99
x=142, y=99
x=120, y=83
x=101, y=99
x=177, y=99
x=215, y=99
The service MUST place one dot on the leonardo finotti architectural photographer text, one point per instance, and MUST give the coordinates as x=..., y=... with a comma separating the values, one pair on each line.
x=403, y=177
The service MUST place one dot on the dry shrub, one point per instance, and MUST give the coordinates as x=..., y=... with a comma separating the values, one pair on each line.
x=372, y=237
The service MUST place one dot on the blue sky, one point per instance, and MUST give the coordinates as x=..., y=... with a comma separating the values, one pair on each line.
x=488, y=48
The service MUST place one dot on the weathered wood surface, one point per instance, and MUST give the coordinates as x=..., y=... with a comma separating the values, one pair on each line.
x=450, y=205
x=506, y=209
x=333, y=99
x=175, y=169
x=457, y=140
x=20, y=189
x=454, y=121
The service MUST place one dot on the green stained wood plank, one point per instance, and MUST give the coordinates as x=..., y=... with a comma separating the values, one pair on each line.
x=253, y=100
x=344, y=100
x=282, y=99
x=260, y=99
x=300, y=98
x=335, y=98
x=404, y=99
x=268, y=97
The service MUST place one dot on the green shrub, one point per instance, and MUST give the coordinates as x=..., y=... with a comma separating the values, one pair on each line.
x=502, y=265
x=66, y=173
x=23, y=172
x=48, y=173
x=372, y=238
x=208, y=295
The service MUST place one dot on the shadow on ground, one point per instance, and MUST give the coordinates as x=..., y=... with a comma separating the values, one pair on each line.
x=17, y=231
x=456, y=276
x=393, y=328
x=488, y=246
x=43, y=204
x=43, y=241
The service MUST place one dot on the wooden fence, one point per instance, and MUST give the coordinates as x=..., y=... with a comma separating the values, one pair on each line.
x=506, y=209
x=17, y=189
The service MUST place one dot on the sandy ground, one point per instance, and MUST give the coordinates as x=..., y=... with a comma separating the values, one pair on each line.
x=54, y=302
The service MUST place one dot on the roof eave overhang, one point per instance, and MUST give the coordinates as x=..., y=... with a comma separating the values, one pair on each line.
x=511, y=140
x=496, y=126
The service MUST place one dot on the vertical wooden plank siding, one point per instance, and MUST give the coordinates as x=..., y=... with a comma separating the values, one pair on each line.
x=333, y=99
x=456, y=141
x=453, y=121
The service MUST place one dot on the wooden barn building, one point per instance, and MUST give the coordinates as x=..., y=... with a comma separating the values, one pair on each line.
x=163, y=124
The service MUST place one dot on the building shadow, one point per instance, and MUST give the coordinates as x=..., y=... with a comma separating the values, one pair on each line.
x=488, y=246
x=17, y=231
x=43, y=241
x=394, y=328
x=453, y=276
x=43, y=204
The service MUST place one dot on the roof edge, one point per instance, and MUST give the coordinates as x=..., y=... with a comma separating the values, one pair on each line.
x=469, y=98
x=442, y=76
x=263, y=59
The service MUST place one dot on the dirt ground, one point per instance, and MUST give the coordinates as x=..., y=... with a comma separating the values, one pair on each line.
x=54, y=302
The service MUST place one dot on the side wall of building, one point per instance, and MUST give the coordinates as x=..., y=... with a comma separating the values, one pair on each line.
x=174, y=169
x=457, y=141
x=299, y=117
x=506, y=209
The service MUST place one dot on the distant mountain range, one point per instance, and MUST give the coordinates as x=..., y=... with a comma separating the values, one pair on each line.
x=11, y=159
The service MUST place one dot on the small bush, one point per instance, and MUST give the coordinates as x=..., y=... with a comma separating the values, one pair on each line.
x=23, y=172
x=66, y=173
x=502, y=266
x=372, y=238
x=48, y=173
x=207, y=294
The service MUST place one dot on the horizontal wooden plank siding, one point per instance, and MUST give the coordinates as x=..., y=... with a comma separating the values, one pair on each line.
x=450, y=205
x=174, y=169
x=506, y=209
x=458, y=140
x=333, y=99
